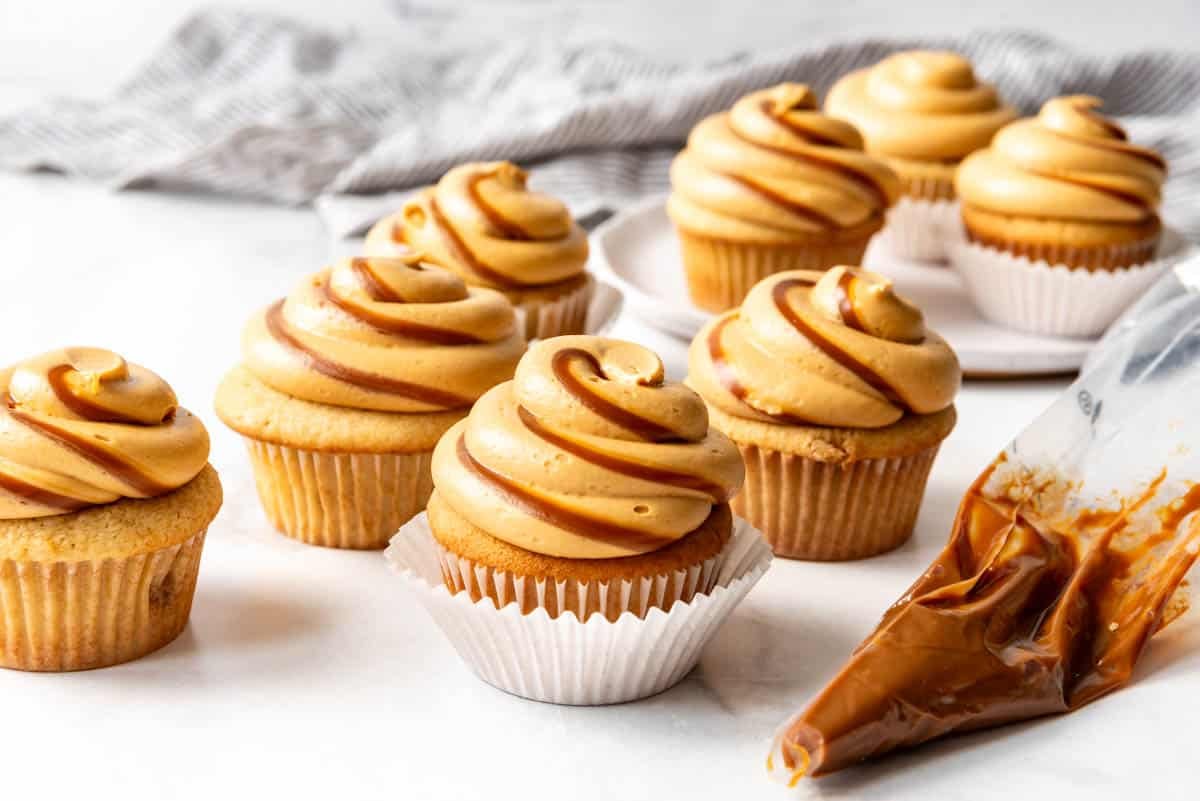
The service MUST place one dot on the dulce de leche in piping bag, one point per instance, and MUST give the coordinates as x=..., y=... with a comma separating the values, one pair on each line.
x=1067, y=554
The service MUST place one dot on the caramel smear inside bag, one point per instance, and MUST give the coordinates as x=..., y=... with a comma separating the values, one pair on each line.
x=1068, y=553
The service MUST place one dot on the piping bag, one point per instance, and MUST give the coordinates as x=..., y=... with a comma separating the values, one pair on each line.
x=1067, y=554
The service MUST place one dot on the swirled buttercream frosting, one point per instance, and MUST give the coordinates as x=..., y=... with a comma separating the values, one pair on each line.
x=1069, y=162
x=587, y=453
x=773, y=168
x=920, y=105
x=482, y=222
x=838, y=348
x=81, y=427
x=395, y=335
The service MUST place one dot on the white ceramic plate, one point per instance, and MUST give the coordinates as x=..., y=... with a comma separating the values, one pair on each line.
x=638, y=252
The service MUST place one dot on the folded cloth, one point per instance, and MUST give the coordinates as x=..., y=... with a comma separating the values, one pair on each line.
x=266, y=107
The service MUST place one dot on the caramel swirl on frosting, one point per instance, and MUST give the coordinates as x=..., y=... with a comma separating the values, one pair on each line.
x=838, y=348
x=773, y=167
x=1070, y=163
x=920, y=105
x=393, y=335
x=482, y=222
x=587, y=453
x=81, y=427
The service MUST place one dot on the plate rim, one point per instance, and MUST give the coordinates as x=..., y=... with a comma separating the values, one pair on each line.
x=685, y=322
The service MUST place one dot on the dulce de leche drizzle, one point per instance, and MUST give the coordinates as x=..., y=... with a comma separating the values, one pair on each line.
x=81, y=427
x=774, y=166
x=385, y=334
x=836, y=348
x=1067, y=163
x=481, y=222
x=587, y=453
x=1028, y=611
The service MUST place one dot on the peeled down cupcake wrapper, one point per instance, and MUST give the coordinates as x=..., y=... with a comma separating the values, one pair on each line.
x=1054, y=300
x=1067, y=555
x=561, y=660
x=917, y=230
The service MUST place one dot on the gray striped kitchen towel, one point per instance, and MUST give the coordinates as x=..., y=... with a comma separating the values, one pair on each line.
x=261, y=106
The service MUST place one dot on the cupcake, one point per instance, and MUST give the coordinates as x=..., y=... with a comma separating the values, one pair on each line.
x=586, y=472
x=773, y=185
x=838, y=398
x=922, y=112
x=481, y=222
x=105, y=497
x=1061, y=213
x=347, y=384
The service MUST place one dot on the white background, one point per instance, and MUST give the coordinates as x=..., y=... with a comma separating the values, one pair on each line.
x=311, y=674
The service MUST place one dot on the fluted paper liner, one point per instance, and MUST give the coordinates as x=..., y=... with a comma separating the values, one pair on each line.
x=814, y=510
x=917, y=229
x=562, y=660
x=1054, y=300
x=78, y=615
x=720, y=273
x=565, y=315
x=339, y=500
x=924, y=187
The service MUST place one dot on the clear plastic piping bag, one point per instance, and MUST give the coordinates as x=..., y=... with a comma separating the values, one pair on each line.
x=1065, y=558
x=1134, y=409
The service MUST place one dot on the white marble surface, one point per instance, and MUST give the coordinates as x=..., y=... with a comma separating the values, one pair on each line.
x=311, y=674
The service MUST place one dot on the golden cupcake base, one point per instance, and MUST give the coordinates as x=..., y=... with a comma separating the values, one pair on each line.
x=104, y=585
x=1077, y=245
x=482, y=566
x=339, y=500
x=720, y=273
x=555, y=310
x=63, y=616
x=821, y=511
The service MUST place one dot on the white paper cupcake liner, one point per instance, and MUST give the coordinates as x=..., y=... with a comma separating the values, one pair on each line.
x=918, y=230
x=1054, y=300
x=597, y=316
x=563, y=661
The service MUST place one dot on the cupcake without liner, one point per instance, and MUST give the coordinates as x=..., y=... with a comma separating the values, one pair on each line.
x=1061, y=221
x=105, y=498
x=838, y=399
x=773, y=185
x=481, y=222
x=347, y=385
x=588, y=487
x=921, y=112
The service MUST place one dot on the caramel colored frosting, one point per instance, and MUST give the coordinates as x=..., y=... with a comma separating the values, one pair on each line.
x=838, y=348
x=588, y=453
x=920, y=105
x=81, y=427
x=1069, y=162
x=393, y=335
x=482, y=222
x=774, y=167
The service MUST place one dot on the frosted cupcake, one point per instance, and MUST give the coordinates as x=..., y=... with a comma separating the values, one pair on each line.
x=482, y=222
x=1067, y=190
x=772, y=185
x=586, y=471
x=922, y=112
x=347, y=384
x=838, y=398
x=105, y=497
